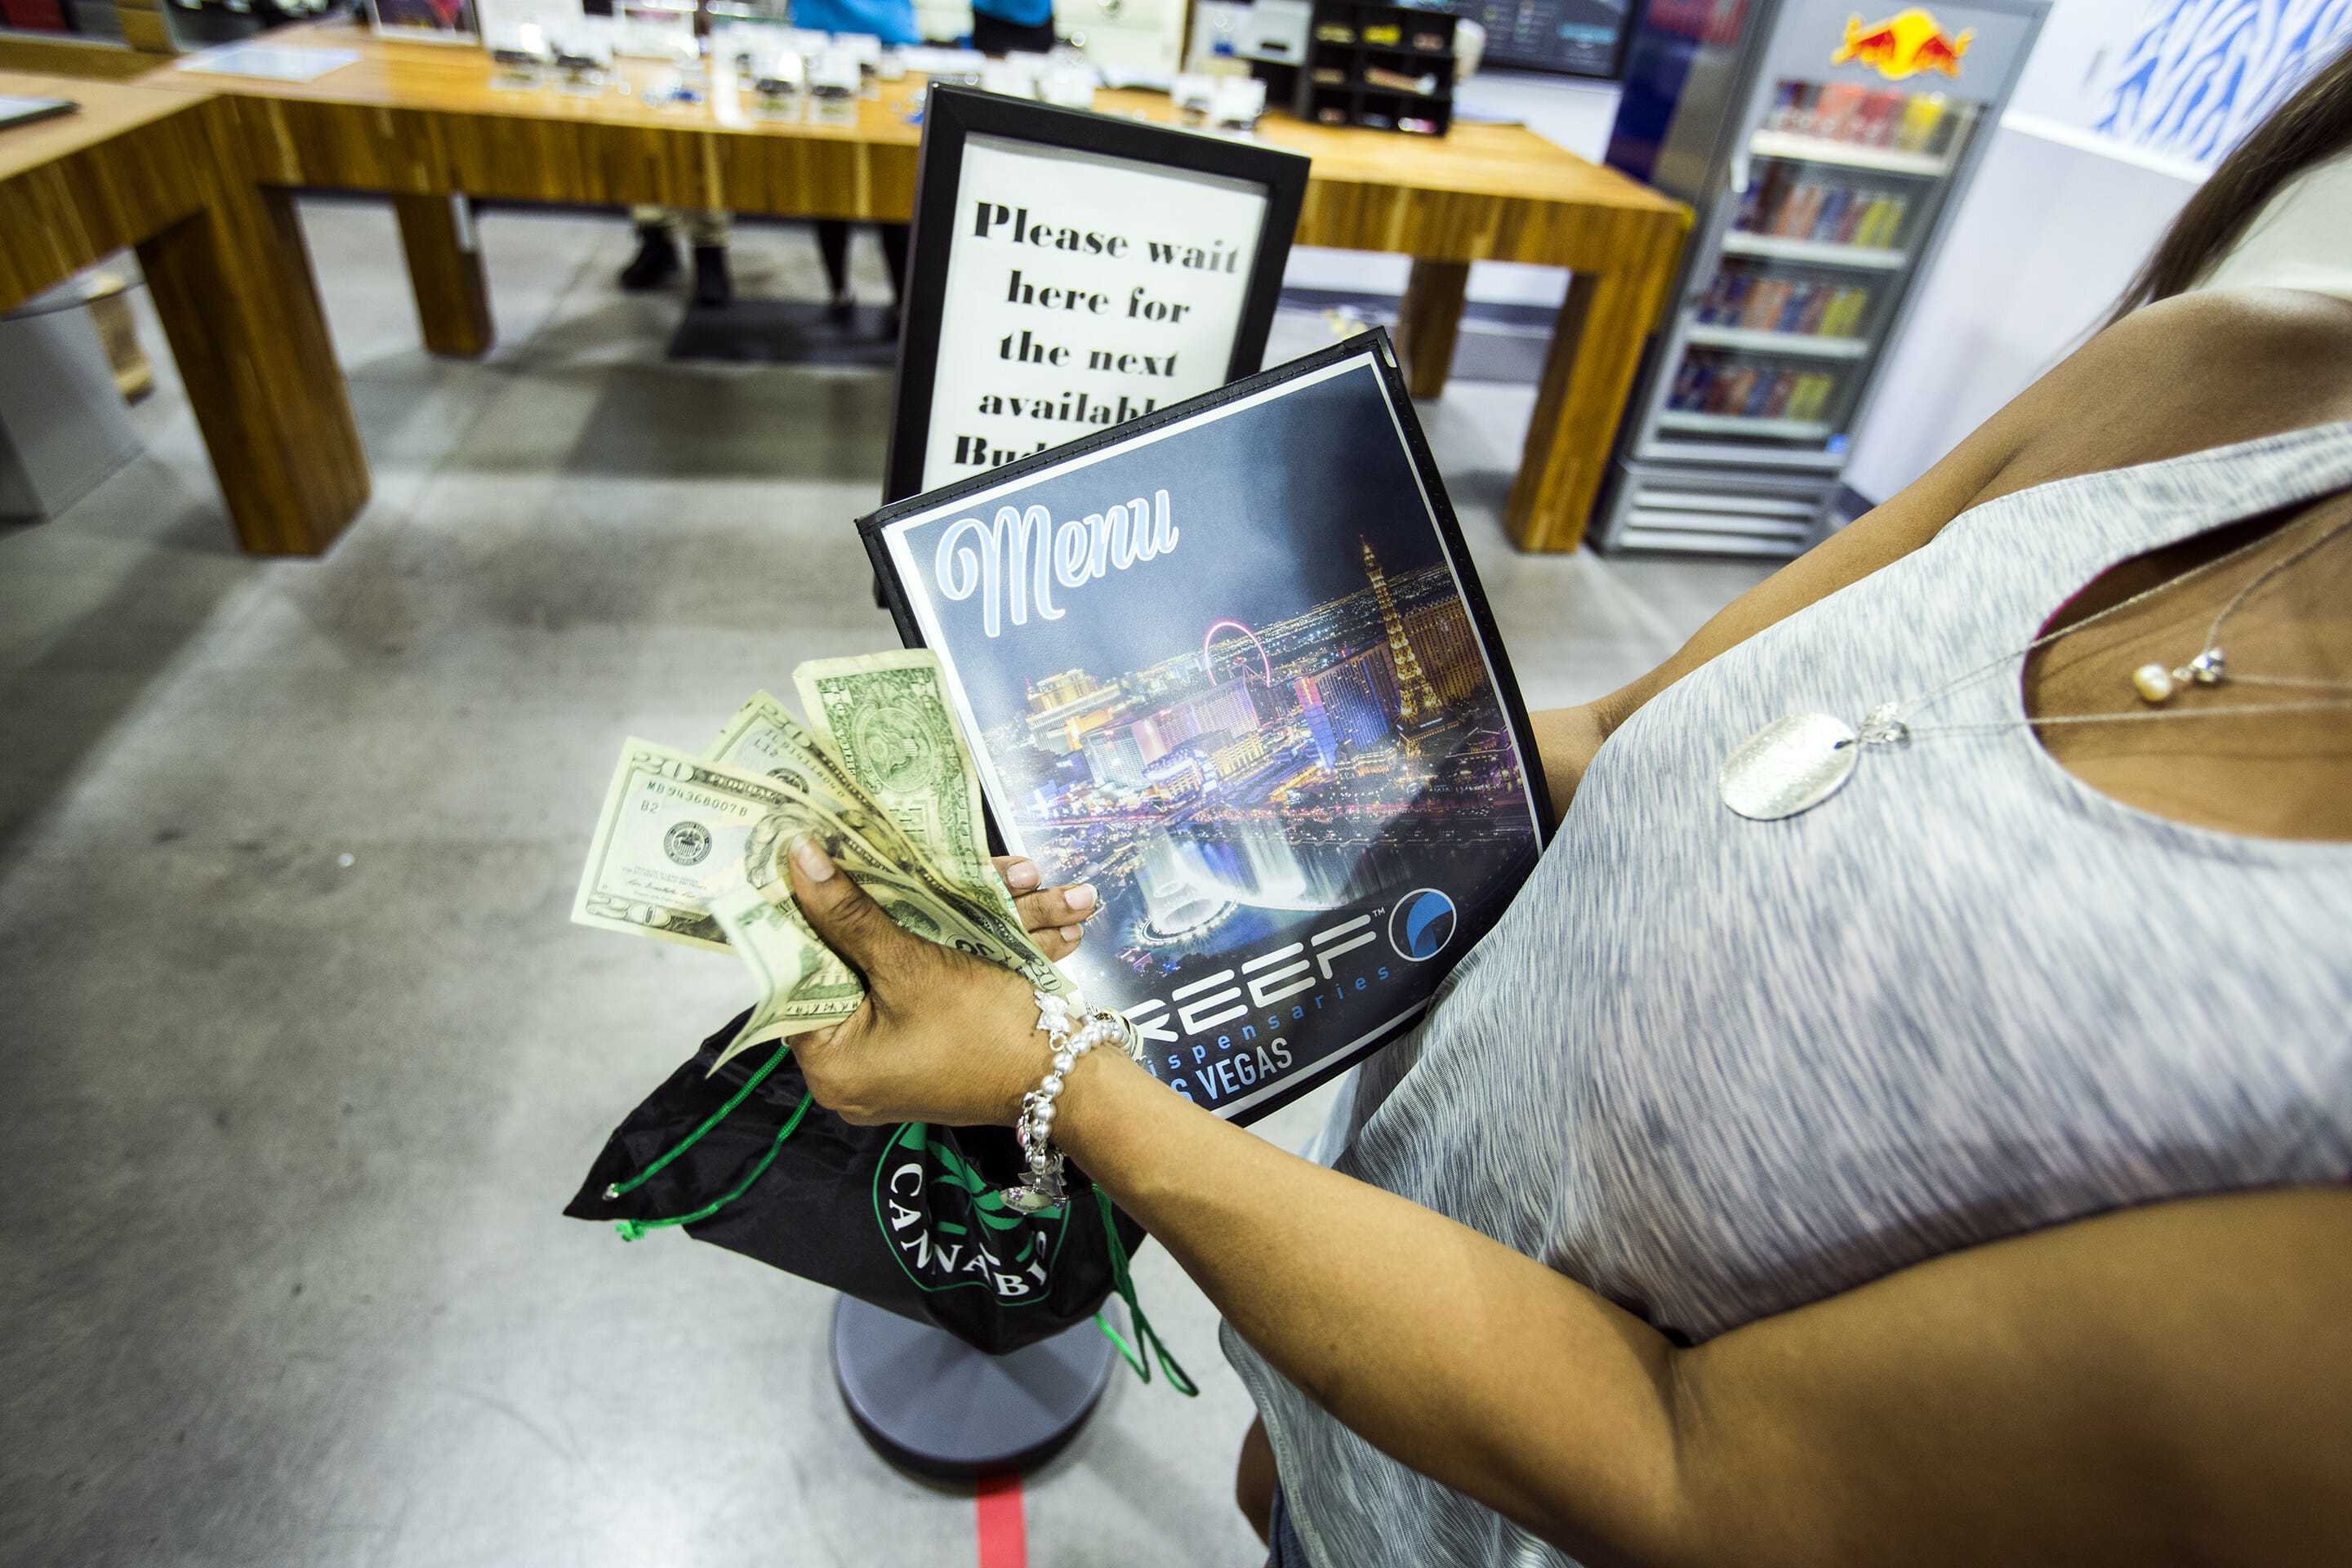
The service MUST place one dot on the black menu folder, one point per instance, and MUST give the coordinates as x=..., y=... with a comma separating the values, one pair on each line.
x=1230, y=663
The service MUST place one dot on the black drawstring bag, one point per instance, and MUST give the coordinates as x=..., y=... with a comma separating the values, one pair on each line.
x=904, y=1217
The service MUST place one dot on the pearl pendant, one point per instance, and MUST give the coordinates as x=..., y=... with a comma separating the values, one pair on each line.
x=2154, y=683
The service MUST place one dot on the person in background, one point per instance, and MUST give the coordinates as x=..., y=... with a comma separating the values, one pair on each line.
x=1953, y=1169
x=893, y=22
x=833, y=247
x=708, y=230
x=1012, y=26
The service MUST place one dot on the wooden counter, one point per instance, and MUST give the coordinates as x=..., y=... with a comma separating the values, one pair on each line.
x=423, y=123
x=198, y=171
x=78, y=187
x=165, y=171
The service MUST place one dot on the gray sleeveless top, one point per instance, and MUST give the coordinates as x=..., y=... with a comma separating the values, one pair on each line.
x=1717, y=1068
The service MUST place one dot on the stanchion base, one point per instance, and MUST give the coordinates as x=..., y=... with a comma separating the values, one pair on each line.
x=931, y=1403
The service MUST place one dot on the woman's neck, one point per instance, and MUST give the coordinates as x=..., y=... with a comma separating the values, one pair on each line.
x=2267, y=774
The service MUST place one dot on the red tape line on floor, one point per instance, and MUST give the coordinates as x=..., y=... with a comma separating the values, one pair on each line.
x=1003, y=1537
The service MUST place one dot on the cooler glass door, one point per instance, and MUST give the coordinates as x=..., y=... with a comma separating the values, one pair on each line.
x=1853, y=139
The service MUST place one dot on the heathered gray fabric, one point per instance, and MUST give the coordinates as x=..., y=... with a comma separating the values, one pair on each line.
x=1717, y=1068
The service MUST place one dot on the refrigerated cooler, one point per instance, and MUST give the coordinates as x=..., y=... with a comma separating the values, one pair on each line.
x=1825, y=153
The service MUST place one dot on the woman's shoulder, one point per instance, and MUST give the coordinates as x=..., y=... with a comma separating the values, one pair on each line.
x=2184, y=375
x=2275, y=351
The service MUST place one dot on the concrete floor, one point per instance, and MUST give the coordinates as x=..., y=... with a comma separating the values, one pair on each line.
x=302, y=1057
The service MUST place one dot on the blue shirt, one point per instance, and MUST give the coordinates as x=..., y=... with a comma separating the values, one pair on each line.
x=892, y=21
x=1020, y=13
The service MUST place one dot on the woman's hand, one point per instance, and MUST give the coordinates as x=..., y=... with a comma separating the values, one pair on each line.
x=943, y=1036
x=1056, y=917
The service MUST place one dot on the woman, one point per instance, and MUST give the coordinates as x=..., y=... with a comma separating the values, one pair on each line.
x=1953, y=1170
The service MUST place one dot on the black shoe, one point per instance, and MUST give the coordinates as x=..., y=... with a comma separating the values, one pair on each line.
x=712, y=286
x=656, y=259
x=840, y=312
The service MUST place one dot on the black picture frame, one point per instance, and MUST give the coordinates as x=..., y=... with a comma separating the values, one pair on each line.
x=1375, y=347
x=951, y=113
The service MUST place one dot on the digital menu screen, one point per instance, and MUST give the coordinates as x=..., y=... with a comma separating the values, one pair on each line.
x=1584, y=38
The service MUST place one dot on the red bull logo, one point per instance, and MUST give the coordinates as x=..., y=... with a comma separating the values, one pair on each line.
x=1904, y=45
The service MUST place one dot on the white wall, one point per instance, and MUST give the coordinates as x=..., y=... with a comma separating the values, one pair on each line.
x=2066, y=76
x=1573, y=113
x=2045, y=239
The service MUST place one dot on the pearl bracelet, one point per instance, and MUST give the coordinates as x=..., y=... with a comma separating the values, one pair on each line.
x=1042, y=1187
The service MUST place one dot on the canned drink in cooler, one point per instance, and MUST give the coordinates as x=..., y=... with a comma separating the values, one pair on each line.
x=1789, y=104
x=1763, y=305
x=1797, y=215
x=1836, y=108
x=1921, y=117
x=1809, y=396
x=1883, y=223
x=1816, y=311
x=1690, y=383
x=1881, y=113
x=1833, y=207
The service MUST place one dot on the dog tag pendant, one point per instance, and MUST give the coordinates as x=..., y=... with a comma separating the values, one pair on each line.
x=1789, y=766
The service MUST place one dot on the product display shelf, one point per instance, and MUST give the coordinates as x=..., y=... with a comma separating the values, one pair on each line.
x=1696, y=513
x=1875, y=259
x=1689, y=535
x=1827, y=163
x=1812, y=345
x=1744, y=424
x=1846, y=155
x=1347, y=42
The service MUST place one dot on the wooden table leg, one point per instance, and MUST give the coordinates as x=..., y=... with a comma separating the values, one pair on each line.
x=233, y=288
x=1428, y=322
x=1596, y=347
x=445, y=269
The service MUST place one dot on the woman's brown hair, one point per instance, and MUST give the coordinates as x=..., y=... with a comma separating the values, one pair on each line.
x=2309, y=128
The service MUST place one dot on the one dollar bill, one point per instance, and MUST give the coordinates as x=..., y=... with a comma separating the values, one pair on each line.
x=886, y=716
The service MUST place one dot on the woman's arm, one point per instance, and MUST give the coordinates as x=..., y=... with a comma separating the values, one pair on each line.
x=2171, y=1383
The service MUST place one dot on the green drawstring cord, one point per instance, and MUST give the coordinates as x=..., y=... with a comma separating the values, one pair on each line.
x=1176, y=1377
x=635, y=1229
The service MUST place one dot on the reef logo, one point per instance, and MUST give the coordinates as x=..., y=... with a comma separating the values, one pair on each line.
x=1422, y=923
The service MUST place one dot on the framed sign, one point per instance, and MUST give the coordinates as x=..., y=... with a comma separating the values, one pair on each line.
x=1070, y=270
x=1228, y=663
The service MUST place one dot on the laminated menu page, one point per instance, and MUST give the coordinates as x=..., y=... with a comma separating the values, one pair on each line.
x=1229, y=664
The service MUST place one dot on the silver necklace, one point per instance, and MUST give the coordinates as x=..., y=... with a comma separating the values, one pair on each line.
x=1794, y=764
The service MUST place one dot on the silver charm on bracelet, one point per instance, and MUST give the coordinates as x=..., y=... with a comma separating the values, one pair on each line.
x=1042, y=1186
